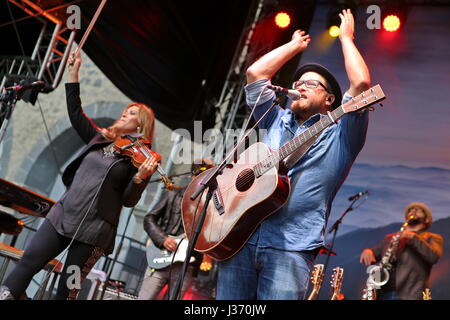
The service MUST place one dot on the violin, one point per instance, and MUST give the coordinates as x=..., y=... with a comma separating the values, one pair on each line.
x=138, y=150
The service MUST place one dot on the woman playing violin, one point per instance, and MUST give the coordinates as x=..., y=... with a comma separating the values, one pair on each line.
x=99, y=183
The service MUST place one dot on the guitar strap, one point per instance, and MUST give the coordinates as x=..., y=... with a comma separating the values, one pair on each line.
x=290, y=161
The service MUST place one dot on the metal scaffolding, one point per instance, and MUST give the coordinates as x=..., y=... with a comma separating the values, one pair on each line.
x=47, y=60
x=50, y=52
x=232, y=109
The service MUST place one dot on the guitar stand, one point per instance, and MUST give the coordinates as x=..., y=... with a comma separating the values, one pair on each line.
x=334, y=228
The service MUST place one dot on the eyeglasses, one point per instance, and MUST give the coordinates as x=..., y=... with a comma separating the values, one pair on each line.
x=312, y=84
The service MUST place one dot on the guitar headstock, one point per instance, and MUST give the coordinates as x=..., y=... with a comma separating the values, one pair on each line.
x=364, y=100
x=317, y=276
x=336, y=280
x=426, y=294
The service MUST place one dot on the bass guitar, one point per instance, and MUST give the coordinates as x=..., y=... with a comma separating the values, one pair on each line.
x=161, y=258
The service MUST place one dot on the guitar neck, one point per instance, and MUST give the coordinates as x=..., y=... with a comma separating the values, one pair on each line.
x=335, y=296
x=298, y=141
x=313, y=295
x=363, y=100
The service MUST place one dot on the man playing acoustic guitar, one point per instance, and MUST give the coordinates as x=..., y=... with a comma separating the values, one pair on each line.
x=276, y=261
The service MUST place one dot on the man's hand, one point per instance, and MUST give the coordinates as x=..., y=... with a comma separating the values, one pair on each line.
x=407, y=235
x=347, y=27
x=367, y=257
x=269, y=64
x=299, y=37
x=170, y=244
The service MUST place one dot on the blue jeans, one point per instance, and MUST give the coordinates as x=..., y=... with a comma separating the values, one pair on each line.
x=264, y=274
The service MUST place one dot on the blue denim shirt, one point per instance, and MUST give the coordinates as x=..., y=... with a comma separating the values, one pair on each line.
x=315, y=179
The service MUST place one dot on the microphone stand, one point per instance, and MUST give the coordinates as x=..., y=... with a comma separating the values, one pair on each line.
x=210, y=182
x=116, y=256
x=8, y=101
x=334, y=228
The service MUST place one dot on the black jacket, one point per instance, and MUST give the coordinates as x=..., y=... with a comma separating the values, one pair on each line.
x=165, y=218
x=415, y=257
x=111, y=197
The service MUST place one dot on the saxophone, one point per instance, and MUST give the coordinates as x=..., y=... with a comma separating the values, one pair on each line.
x=379, y=273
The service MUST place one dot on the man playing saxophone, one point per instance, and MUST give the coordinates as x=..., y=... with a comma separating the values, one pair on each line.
x=412, y=258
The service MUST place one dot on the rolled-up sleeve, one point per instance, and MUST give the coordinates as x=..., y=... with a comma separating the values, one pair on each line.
x=256, y=90
x=258, y=96
x=354, y=128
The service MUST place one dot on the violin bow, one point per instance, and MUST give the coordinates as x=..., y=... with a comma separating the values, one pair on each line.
x=89, y=28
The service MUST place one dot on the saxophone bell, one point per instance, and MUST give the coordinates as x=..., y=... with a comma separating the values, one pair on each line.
x=378, y=276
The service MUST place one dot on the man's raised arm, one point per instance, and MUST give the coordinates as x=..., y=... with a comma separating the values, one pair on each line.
x=270, y=63
x=356, y=68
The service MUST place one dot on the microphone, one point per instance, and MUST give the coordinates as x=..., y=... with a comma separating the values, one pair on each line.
x=358, y=195
x=291, y=93
x=37, y=85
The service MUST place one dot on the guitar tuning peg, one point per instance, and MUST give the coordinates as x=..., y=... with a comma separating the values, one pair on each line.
x=381, y=105
x=371, y=108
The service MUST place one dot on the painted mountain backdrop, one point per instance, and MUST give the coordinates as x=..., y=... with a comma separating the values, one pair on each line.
x=392, y=188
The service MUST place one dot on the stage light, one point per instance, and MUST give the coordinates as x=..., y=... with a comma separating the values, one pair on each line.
x=391, y=23
x=394, y=15
x=333, y=31
x=282, y=20
x=207, y=263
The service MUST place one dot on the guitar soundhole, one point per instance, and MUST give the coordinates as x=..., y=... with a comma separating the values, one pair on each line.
x=245, y=180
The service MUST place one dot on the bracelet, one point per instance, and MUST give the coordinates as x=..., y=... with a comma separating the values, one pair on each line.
x=137, y=180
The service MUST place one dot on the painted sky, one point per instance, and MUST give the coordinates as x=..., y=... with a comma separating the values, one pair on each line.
x=413, y=68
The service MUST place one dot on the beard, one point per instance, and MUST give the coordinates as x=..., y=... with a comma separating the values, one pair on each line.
x=304, y=108
x=416, y=221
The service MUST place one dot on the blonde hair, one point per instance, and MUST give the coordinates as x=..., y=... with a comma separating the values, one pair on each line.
x=145, y=119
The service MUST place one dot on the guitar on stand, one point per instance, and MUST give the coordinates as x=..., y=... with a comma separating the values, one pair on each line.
x=336, y=283
x=251, y=188
x=426, y=294
x=369, y=292
x=161, y=258
x=316, y=280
